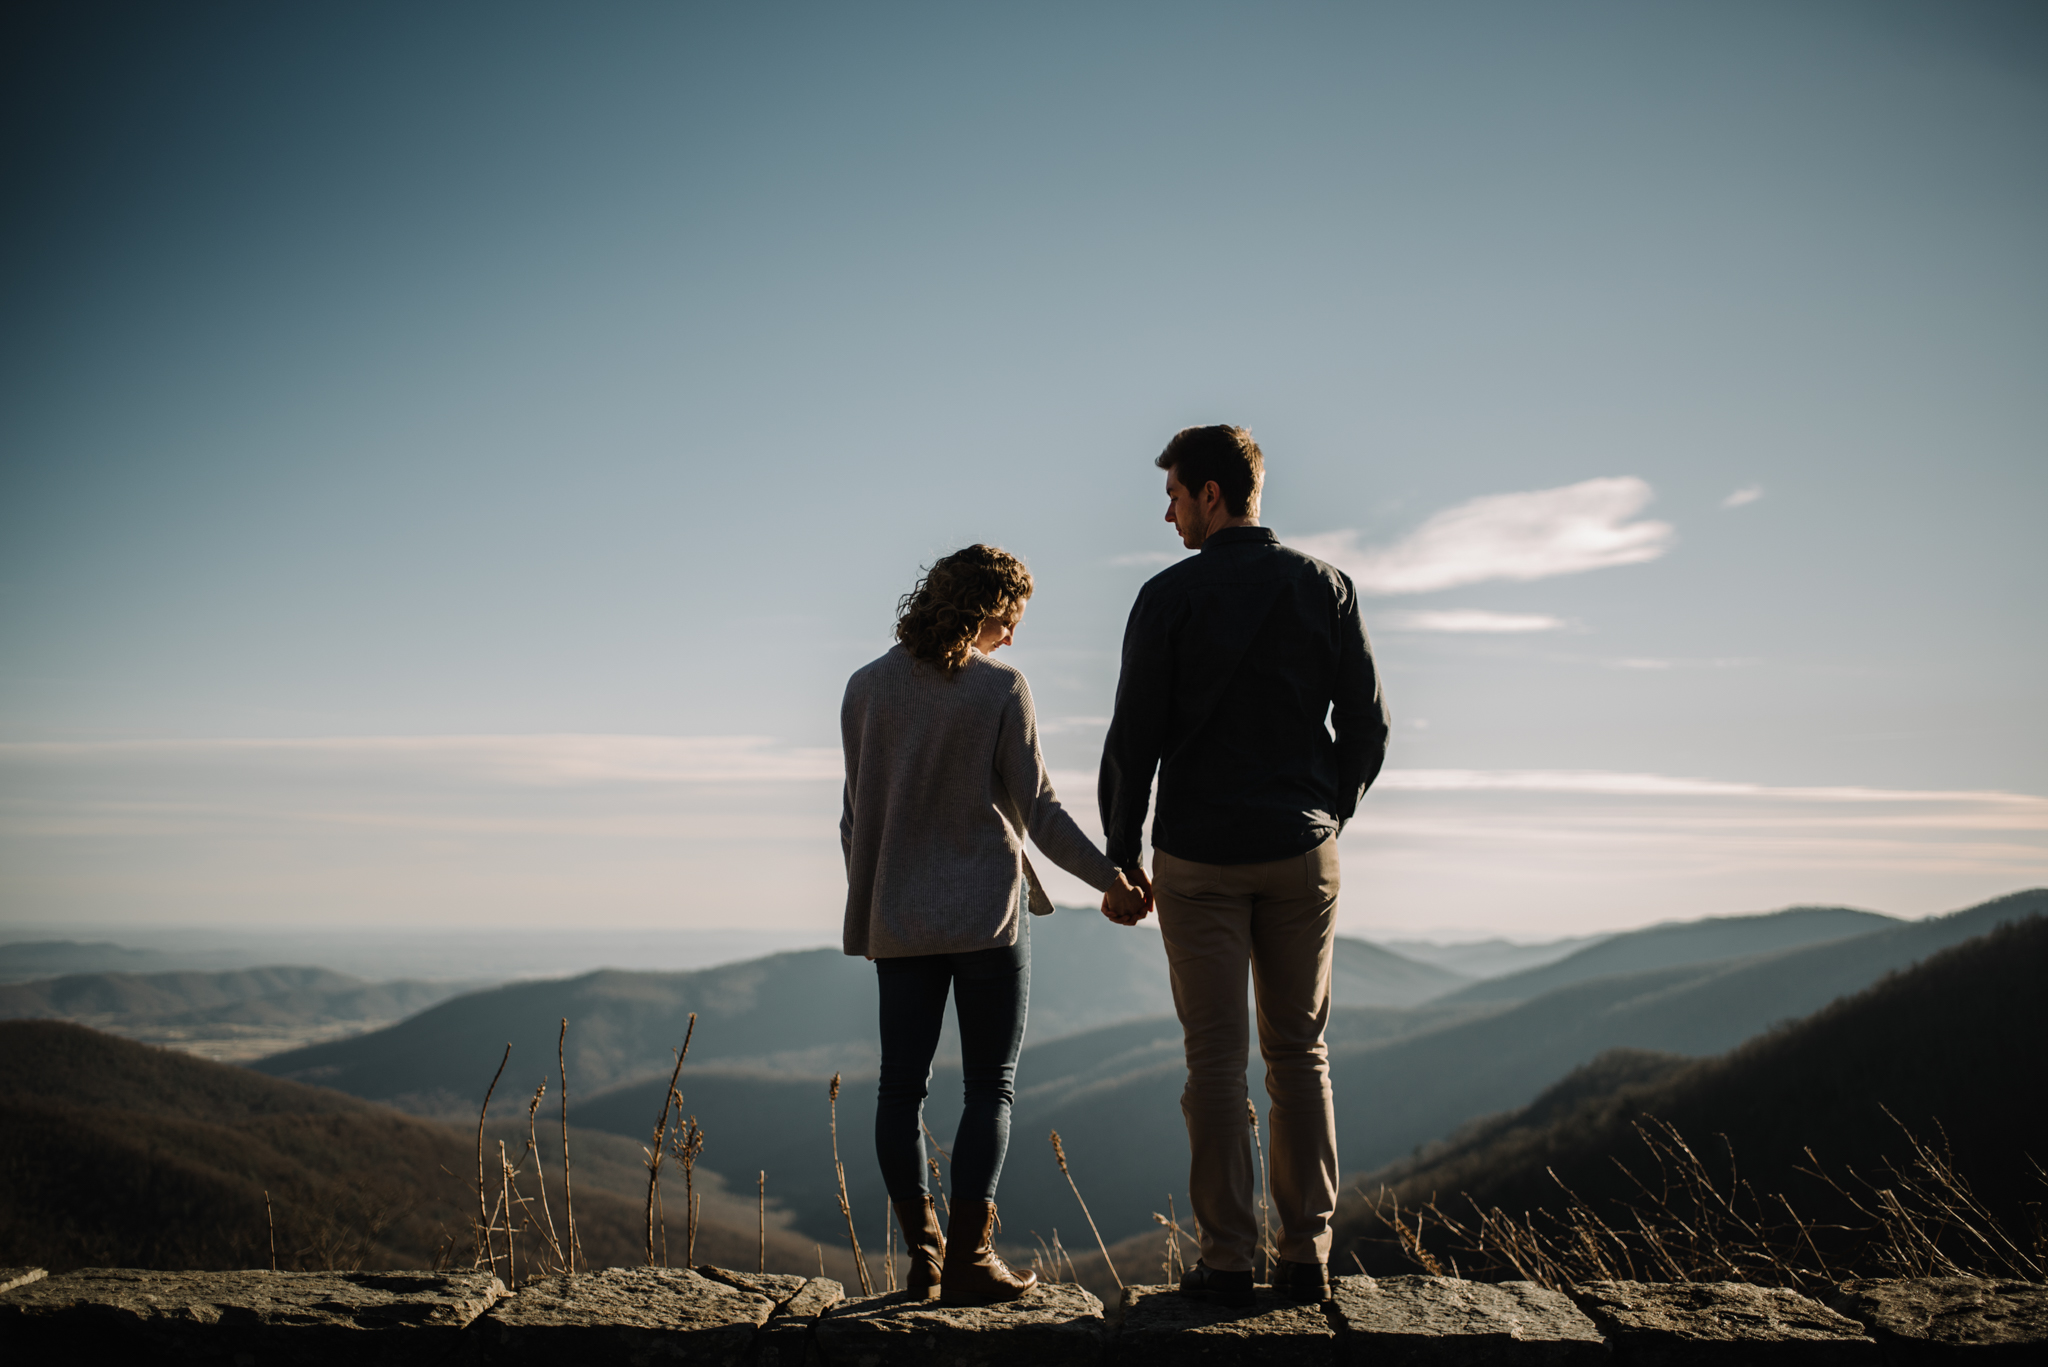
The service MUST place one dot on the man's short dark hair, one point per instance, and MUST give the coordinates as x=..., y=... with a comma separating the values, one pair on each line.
x=1227, y=455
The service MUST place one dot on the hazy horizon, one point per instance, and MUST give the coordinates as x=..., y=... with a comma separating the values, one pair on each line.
x=451, y=954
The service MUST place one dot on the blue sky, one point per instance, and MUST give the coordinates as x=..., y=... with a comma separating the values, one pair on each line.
x=391, y=395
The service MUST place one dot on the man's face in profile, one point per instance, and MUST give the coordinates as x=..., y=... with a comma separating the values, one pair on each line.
x=1186, y=512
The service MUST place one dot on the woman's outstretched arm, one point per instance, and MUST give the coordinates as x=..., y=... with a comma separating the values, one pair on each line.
x=1021, y=767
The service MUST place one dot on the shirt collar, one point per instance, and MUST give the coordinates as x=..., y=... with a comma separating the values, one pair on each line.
x=1242, y=536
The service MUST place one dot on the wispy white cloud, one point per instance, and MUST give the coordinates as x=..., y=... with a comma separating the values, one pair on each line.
x=1638, y=662
x=1534, y=535
x=1748, y=493
x=1462, y=620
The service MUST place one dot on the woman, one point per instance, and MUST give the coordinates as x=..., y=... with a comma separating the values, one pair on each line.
x=943, y=782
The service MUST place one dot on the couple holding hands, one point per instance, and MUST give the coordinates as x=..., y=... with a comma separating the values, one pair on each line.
x=1248, y=686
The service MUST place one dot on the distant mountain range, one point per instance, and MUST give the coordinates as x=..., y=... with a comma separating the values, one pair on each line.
x=772, y=1030
x=235, y=1015
x=805, y=1014
x=405, y=951
x=27, y=959
x=1489, y=958
x=1677, y=944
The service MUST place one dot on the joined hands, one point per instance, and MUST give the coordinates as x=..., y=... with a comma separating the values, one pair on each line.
x=1127, y=904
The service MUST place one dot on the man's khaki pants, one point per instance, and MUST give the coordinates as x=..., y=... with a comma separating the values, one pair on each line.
x=1279, y=921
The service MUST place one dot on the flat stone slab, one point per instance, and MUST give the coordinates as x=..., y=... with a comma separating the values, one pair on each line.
x=785, y=1340
x=1057, y=1323
x=799, y=1297
x=251, y=1318
x=1706, y=1324
x=1950, y=1319
x=625, y=1315
x=1161, y=1326
x=1396, y=1321
x=11, y=1277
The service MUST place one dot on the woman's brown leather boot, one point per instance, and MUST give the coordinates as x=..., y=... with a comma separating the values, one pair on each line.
x=923, y=1242
x=973, y=1274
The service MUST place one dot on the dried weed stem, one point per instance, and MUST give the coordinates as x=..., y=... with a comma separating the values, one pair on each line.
x=1059, y=1151
x=484, y=1255
x=654, y=1154
x=568, y=1192
x=860, y=1264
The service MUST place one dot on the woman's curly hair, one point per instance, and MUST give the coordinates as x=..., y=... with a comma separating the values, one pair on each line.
x=938, y=620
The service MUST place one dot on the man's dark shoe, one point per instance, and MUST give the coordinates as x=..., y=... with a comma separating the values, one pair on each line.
x=1308, y=1283
x=1205, y=1283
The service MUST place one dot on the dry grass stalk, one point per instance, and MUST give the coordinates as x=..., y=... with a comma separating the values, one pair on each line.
x=505, y=1201
x=860, y=1264
x=761, y=1214
x=484, y=1255
x=533, y=1149
x=1266, y=1248
x=686, y=1145
x=654, y=1154
x=1172, y=1264
x=888, y=1252
x=568, y=1192
x=1687, y=1223
x=1059, y=1151
x=1928, y=1201
x=661, y=1224
x=938, y=1183
x=1411, y=1238
x=1042, y=1260
x=1059, y=1252
x=270, y=1220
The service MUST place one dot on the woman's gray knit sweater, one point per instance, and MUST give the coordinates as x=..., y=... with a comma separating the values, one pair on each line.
x=943, y=782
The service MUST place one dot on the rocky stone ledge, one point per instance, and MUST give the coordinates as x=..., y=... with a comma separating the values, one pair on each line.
x=1418, y=1321
x=1159, y=1327
x=1709, y=1324
x=786, y=1339
x=1059, y=1325
x=622, y=1314
x=717, y=1317
x=380, y=1318
x=1950, y=1319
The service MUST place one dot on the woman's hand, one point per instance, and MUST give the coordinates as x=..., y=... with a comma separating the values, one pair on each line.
x=1125, y=904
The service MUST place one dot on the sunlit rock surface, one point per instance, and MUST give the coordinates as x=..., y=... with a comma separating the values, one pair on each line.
x=1425, y=1321
x=1951, y=1319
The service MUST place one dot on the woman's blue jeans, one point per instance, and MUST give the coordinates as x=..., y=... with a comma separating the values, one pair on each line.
x=991, y=989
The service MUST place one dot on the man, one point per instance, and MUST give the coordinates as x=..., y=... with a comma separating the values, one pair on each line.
x=1232, y=660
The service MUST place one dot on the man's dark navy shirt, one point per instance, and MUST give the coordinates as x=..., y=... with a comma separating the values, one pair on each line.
x=1233, y=659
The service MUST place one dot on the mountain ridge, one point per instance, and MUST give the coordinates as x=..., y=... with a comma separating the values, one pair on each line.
x=1672, y=944
x=801, y=1013
x=1948, y=1048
